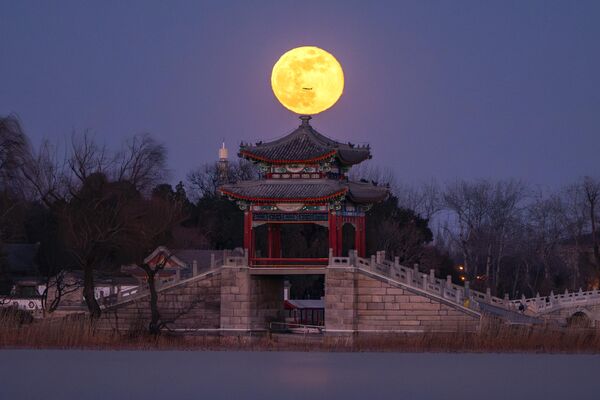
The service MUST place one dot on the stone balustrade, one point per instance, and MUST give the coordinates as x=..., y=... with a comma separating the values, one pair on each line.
x=413, y=277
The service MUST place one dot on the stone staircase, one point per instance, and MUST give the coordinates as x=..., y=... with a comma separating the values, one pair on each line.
x=523, y=310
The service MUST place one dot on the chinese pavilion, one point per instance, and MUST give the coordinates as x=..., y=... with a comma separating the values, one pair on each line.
x=303, y=179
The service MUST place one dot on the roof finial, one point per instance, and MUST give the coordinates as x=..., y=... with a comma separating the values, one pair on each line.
x=305, y=119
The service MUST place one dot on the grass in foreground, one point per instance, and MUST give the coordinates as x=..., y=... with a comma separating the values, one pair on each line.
x=80, y=333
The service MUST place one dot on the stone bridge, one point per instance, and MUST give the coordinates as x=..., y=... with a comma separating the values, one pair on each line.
x=362, y=295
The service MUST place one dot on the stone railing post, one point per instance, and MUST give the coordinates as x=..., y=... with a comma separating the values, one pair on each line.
x=415, y=271
x=246, y=258
x=448, y=285
x=506, y=300
x=194, y=268
x=119, y=295
x=459, y=295
x=467, y=289
x=409, y=277
x=425, y=282
x=212, y=260
x=330, y=256
x=488, y=294
x=373, y=262
x=350, y=257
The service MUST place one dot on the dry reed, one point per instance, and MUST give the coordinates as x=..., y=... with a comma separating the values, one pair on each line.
x=80, y=333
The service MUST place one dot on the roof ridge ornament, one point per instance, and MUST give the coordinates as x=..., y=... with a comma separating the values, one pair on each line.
x=305, y=119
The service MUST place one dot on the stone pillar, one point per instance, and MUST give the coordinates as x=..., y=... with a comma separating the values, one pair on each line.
x=249, y=302
x=235, y=300
x=340, y=301
x=266, y=301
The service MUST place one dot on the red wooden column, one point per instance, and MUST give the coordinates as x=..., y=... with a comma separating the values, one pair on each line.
x=357, y=234
x=332, y=232
x=339, y=223
x=273, y=241
x=362, y=235
x=248, y=236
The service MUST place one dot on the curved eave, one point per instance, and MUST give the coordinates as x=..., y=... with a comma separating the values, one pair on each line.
x=366, y=194
x=368, y=200
x=321, y=199
x=353, y=157
x=249, y=155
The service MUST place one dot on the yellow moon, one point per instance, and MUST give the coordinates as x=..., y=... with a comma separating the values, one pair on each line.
x=307, y=80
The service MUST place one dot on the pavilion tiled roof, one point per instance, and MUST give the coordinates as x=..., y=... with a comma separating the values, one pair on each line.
x=303, y=190
x=305, y=145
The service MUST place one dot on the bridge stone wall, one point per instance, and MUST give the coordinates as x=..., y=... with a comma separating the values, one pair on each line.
x=356, y=301
x=249, y=302
x=561, y=315
x=191, y=304
x=232, y=300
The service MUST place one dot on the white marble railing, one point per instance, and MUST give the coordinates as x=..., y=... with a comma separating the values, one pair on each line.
x=179, y=276
x=413, y=277
x=552, y=302
x=444, y=288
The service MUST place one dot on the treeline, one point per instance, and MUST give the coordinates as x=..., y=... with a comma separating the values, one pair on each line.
x=509, y=236
x=94, y=209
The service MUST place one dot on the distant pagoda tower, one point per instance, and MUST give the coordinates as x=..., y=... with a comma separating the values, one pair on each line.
x=223, y=165
x=304, y=179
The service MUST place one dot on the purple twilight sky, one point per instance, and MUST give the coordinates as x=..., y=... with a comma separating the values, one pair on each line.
x=439, y=89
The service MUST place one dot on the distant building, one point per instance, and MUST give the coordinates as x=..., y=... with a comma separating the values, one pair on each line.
x=20, y=283
x=305, y=312
x=223, y=165
x=178, y=263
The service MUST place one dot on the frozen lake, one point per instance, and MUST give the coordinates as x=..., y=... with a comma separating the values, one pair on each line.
x=54, y=374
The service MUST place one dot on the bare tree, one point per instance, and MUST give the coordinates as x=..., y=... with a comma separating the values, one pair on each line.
x=150, y=222
x=591, y=190
x=57, y=287
x=486, y=216
x=87, y=157
x=90, y=192
x=14, y=147
x=424, y=199
x=142, y=162
x=544, y=233
x=206, y=179
x=13, y=153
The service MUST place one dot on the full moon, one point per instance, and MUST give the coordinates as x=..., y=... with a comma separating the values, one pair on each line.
x=307, y=80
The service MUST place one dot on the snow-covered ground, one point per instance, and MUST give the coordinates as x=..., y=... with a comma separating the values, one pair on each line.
x=55, y=374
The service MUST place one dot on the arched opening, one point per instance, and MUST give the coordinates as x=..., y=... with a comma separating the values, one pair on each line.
x=348, y=238
x=579, y=320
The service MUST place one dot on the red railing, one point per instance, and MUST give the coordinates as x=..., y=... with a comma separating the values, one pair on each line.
x=267, y=262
